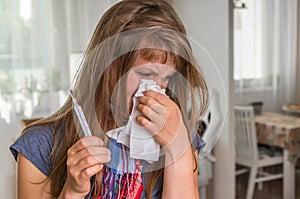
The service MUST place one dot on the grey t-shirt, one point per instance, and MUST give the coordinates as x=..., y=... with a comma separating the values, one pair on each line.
x=37, y=142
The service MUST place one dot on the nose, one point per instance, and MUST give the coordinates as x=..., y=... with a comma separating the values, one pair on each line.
x=161, y=82
x=162, y=86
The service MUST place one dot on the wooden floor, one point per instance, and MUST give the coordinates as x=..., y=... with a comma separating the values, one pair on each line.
x=271, y=189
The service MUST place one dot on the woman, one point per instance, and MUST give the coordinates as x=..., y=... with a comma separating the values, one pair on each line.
x=134, y=40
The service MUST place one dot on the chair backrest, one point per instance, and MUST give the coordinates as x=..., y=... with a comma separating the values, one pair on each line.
x=213, y=119
x=245, y=135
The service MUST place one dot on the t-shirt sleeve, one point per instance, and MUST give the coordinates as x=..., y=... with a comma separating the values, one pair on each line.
x=35, y=144
x=198, y=142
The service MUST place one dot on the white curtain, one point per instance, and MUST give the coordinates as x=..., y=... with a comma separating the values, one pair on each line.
x=36, y=40
x=265, y=46
x=34, y=65
x=288, y=51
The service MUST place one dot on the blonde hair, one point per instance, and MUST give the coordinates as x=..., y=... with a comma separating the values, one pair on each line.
x=156, y=16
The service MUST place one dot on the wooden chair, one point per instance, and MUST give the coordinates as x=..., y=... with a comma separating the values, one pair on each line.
x=248, y=154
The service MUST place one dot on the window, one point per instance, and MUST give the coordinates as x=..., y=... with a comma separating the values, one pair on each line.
x=255, y=64
x=25, y=66
x=38, y=39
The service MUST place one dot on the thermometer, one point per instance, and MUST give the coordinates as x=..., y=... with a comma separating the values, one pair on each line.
x=81, y=117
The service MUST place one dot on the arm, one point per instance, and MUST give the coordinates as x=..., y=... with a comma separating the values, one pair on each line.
x=31, y=182
x=162, y=117
x=196, y=176
x=179, y=179
x=85, y=159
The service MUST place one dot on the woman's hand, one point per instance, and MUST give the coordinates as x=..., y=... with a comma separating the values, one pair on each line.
x=84, y=159
x=162, y=117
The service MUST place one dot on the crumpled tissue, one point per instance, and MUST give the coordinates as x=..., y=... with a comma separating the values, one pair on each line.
x=140, y=141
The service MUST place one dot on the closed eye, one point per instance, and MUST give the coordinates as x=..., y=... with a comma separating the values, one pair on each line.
x=144, y=74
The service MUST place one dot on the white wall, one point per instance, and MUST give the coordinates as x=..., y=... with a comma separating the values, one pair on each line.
x=209, y=23
x=298, y=82
x=80, y=13
x=298, y=60
x=7, y=167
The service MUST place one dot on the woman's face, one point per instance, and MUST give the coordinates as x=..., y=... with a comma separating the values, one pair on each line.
x=142, y=69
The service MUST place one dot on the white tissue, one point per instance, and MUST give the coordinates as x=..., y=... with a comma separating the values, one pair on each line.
x=140, y=141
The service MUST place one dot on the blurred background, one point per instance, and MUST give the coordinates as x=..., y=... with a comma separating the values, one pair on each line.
x=254, y=43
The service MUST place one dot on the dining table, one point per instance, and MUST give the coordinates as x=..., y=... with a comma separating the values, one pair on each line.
x=280, y=130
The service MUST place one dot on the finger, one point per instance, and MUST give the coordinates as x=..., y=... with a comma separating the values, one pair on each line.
x=149, y=125
x=90, y=171
x=160, y=98
x=151, y=103
x=93, y=160
x=145, y=110
x=86, y=142
x=151, y=114
x=94, y=151
x=146, y=100
x=89, y=162
x=85, y=152
x=144, y=122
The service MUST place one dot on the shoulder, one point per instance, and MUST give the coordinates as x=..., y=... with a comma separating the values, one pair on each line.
x=36, y=145
x=38, y=132
x=35, y=137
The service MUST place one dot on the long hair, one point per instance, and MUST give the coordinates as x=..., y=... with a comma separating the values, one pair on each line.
x=105, y=63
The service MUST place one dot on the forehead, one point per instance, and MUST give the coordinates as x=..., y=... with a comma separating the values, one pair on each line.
x=157, y=62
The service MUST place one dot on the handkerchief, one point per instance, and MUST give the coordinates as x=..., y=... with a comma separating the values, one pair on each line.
x=140, y=141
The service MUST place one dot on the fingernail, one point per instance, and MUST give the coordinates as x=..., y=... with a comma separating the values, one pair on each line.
x=137, y=119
